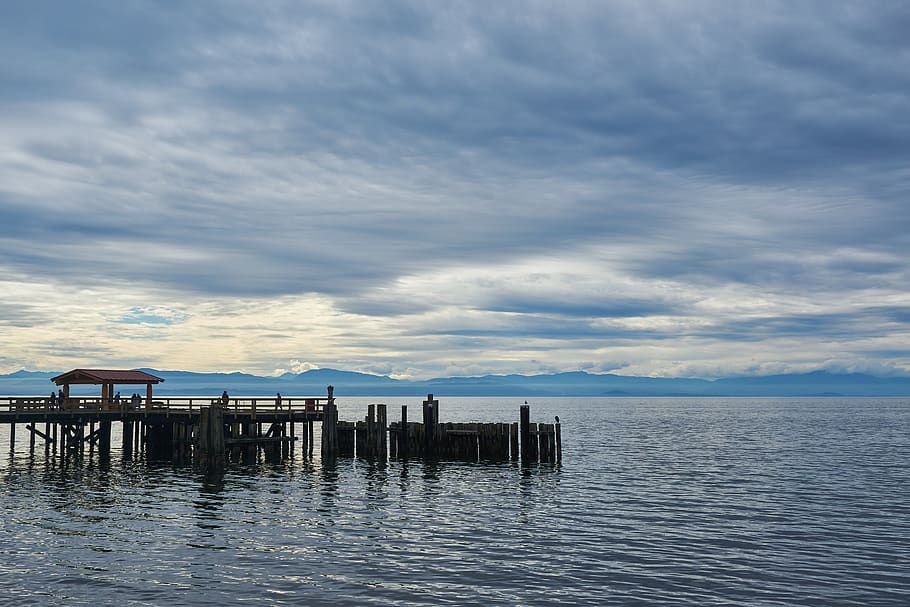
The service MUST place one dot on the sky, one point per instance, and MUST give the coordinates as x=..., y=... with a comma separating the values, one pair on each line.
x=425, y=189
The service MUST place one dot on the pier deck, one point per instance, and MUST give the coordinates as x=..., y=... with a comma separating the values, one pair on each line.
x=16, y=409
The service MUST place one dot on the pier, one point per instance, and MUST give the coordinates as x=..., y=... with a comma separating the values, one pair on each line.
x=215, y=429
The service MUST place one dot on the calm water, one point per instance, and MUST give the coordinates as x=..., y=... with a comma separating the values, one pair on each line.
x=657, y=502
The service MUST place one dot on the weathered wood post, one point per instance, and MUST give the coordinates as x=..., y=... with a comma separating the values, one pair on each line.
x=80, y=437
x=104, y=437
x=382, y=428
x=513, y=440
x=545, y=448
x=304, y=435
x=524, y=432
x=293, y=432
x=12, y=438
x=403, y=434
x=127, y=438
x=558, y=440
x=368, y=441
x=210, y=445
x=330, y=426
x=310, y=439
x=430, y=421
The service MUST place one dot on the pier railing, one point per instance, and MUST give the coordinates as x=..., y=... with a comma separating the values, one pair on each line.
x=176, y=404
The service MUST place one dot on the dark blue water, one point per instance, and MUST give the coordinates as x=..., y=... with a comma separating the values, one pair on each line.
x=657, y=502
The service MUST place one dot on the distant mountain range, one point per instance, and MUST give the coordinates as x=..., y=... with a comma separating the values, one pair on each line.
x=578, y=383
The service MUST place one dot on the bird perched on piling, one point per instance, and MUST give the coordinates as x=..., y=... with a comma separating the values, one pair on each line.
x=557, y=419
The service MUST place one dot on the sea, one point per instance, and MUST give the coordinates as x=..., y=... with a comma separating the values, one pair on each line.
x=656, y=501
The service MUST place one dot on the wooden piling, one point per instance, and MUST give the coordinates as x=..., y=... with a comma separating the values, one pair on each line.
x=513, y=440
x=382, y=427
x=293, y=432
x=210, y=447
x=524, y=431
x=532, y=442
x=127, y=438
x=403, y=434
x=558, y=438
x=330, y=431
x=430, y=426
x=545, y=434
x=35, y=431
x=104, y=437
x=345, y=434
x=304, y=437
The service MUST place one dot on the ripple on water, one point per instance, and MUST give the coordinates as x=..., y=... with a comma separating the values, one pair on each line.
x=658, y=502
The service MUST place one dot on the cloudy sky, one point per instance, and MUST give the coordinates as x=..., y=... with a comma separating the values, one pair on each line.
x=438, y=188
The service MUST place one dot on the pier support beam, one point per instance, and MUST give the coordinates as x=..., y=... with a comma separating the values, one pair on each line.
x=127, y=438
x=210, y=437
x=558, y=442
x=430, y=425
x=330, y=431
x=382, y=428
x=330, y=426
x=403, y=434
x=524, y=432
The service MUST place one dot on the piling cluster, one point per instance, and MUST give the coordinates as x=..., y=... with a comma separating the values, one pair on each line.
x=214, y=434
x=373, y=437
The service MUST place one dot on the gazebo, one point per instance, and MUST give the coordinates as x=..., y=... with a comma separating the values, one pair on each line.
x=107, y=379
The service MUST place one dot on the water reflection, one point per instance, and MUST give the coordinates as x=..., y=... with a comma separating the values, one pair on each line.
x=329, y=475
x=659, y=502
x=210, y=500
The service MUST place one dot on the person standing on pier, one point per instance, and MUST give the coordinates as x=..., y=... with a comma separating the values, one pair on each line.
x=224, y=399
x=278, y=400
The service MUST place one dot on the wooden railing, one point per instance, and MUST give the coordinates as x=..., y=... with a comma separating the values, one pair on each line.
x=176, y=404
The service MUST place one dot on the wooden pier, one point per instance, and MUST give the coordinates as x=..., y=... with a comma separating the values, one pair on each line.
x=167, y=427
x=213, y=430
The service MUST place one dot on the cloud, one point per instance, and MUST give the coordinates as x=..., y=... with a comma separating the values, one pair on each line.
x=153, y=315
x=427, y=185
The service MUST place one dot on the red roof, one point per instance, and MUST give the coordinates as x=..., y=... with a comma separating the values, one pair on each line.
x=105, y=376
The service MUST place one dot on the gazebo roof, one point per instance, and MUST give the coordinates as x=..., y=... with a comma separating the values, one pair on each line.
x=105, y=376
